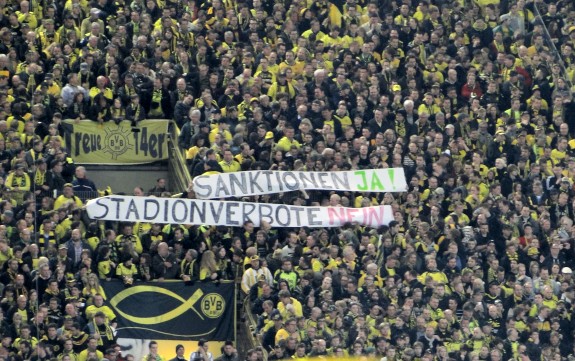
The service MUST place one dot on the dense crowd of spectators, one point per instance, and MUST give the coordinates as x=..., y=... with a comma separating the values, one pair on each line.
x=469, y=97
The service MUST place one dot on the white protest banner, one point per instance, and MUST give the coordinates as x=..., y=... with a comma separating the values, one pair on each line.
x=232, y=214
x=256, y=182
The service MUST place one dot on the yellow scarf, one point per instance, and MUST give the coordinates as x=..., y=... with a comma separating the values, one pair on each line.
x=39, y=178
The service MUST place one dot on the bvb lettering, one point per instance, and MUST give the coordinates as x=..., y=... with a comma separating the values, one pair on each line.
x=213, y=305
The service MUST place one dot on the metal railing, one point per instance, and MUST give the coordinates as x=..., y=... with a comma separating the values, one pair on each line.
x=179, y=175
x=250, y=324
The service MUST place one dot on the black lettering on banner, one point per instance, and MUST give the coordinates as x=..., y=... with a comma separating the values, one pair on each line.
x=194, y=211
x=297, y=211
x=221, y=186
x=230, y=213
x=323, y=180
x=117, y=141
x=81, y=143
x=177, y=215
x=161, y=140
x=166, y=206
x=101, y=202
x=198, y=208
x=68, y=131
x=247, y=210
x=217, y=214
x=87, y=143
x=132, y=208
x=148, y=205
x=283, y=219
x=295, y=185
x=143, y=140
x=312, y=214
x=153, y=144
x=266, y=211
x=279, y=181
x=239, y=180
x=77, y=139
x=340, y=183
x=118, y=201
x=268, y=174
x=308, y=180
x=253, y=176
x=200, y=187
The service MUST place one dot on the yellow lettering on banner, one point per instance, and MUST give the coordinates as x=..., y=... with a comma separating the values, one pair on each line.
x=111, y=143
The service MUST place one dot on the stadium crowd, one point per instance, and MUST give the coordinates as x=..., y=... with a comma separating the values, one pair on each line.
x=469, y=97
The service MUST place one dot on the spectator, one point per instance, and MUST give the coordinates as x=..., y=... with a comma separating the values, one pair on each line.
x=81, y=183
x=153, y=352
x=189, y=129
x=76, y=245
x=72, y=88
x=102, y=331
x=202, y=353
x=18, y=180
x=98, y=306
x=252, y=274
x=180, y=351
x=229, y=353
x=67, y=198
x=91, y=350
x=160, y=186
x=164, y=263
x=189, y=267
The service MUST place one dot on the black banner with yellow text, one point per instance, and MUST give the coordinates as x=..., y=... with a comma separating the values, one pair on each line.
x=173, y=311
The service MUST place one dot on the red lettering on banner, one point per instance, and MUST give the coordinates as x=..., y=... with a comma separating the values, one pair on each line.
x=350, y=214
x=375, y=216
x=335, y=212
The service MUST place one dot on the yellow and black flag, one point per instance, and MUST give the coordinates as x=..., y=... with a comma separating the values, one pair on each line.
x=173, y=311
